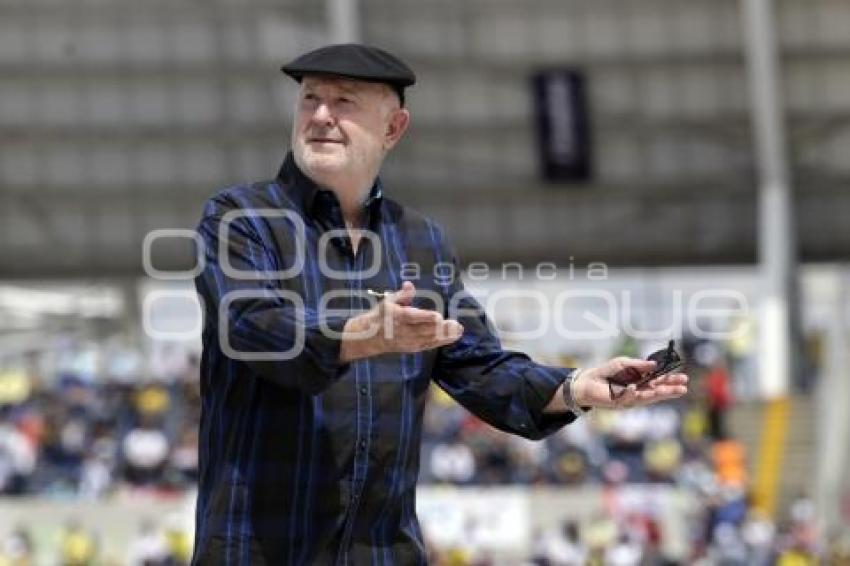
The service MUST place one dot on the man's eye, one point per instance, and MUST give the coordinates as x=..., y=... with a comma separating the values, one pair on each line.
x=345, y=100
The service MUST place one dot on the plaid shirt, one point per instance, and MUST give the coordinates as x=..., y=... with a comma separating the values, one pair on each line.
x=303, y=459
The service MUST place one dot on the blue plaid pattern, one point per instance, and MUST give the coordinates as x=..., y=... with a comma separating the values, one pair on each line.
x=304, y=460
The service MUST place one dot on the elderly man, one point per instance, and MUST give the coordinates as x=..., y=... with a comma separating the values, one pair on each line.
x=321, y=341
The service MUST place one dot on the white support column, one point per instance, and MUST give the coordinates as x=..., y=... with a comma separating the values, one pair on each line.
x=833, y=424
x=776, y=227
x=343, y=21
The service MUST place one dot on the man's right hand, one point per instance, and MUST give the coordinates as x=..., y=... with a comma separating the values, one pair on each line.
x=396, y=326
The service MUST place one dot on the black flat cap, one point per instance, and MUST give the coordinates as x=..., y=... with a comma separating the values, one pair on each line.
x=354, y=61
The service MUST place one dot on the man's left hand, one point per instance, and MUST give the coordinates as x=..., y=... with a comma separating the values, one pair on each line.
x=613, y=385
x=592, y=387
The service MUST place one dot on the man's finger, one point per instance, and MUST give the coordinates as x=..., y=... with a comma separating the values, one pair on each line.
x=661, y=393
x=444, y=329
x=419, y=338
x=670, y=379
x=403, y=296
x=446, y=333
x=412, y=315
x=451, y=330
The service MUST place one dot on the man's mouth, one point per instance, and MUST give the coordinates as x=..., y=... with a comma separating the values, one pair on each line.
x=323, y=140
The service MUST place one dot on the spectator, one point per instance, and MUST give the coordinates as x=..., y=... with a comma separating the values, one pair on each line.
x=145, y=450
x=17, y=460
x=99, y=466
x=727, y=548
x=838, y=551
x=719, y=399
x=149, y=547
x=17, y=548
x=452, y=463
x=625, y=552
x=729, y=459
x=184, y=458
x=178, y=540
x=758, y=533
x=563, y=546
x=77, y=546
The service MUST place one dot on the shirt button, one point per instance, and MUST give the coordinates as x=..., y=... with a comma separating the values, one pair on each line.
x=363, y=390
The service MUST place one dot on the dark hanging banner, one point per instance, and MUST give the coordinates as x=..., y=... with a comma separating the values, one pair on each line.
x=563, y=129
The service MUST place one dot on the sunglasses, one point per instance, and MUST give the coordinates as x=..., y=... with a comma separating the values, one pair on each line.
x=666, y=361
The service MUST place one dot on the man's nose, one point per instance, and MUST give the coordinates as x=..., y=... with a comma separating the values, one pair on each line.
x=323, y=115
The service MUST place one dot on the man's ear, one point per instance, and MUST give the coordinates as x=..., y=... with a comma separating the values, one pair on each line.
x=397, y=125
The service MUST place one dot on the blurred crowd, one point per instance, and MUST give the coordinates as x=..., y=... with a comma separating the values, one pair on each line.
x=92, y=433
x=721, y=529
x=667, y=443
x=72, y=436
x=165, y=544
x=748, y=540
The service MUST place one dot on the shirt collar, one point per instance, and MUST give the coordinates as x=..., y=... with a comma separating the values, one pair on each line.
x=312, y=197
